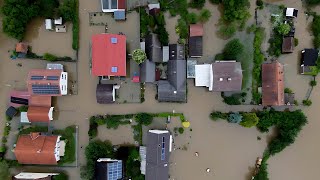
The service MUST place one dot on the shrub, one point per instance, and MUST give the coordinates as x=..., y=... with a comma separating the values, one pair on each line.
x=181, y=130
x=219, y=56
x=249, y=120
x=144, y=118
x=235, y=10
x=163, y=35
x=139, y=56
x=23, y=109
x=296, y=42
x=283, y=29
x=144, y=22
x=3, y=149
x=34, y=129
x=312, y=2
x=182, y=29
x=275, y=45
x=313, y=83
x=8, y=118
x=307, y=102
x=227, y=30
x=192, y=18
x=251, y=28
x=93, y=128
x=259, y=3
x=204, y=15
x=235, y=118
x=288, y=90
x=232, y=49
x=234, y=99
x=50, y=57
x=316, y=25
x=114, y=121
x=4, y=170
x=215, y=1
x=197, y=3
x=61, y=176
x=216, y=115
x=316, y=41
x=6, y=130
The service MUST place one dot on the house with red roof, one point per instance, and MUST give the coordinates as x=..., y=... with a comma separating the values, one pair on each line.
x=36, y=148
x=108, y=55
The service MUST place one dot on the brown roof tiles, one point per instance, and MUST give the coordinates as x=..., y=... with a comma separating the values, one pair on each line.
x=35, y=148
x=196, y=30
x=21, y=48
x=38, y=114
x=272, y=84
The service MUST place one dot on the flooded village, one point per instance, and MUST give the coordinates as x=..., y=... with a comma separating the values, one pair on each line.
x=202, y=148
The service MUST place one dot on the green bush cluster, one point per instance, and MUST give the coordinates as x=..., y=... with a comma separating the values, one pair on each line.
x=226, y=31
x=133, y=165
x=181, y=130
x=275, y=44
x=197, y=4
x=15, y=22
x=313, y=2
x=144, y=119
x=307, y=102
x=61, y=176
x=288, y=90
x=234, y=99
x=215, y=1
x=233, y=49
x=316, y=30
x=142, y=89
x=93, y=127
x=34, y=129
x=216, y=115
x=23, y=109
x=313, y=83
x=144, y=22
x=249, y=120
x=260, y=4
x=50, y=57
x=69, y=10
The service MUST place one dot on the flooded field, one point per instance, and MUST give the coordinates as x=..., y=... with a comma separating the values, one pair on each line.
x=228, y=150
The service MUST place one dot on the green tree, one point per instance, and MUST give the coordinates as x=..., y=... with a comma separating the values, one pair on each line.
x=283, y=29
x=197, y=3
x=4, y=170
x=232, y=49
x=249, y=120
x=215, y=1
x=192, y=18
x=163, y=35
x=50, y=57
x=204, y=15
x=182, y=29
x=316, y=41
x=313, y=83
x=139, y=56
x=235, y=118
x=67, y=10
x=235, y=10
x=227, y=30
x=144, y=118
x=181, y=130
x=313, y=2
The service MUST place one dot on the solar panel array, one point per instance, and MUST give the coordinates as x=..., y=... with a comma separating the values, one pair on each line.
x=163, y=155
x=115, y=170
x=45, y=89
x=53, y=78
x=37, y=77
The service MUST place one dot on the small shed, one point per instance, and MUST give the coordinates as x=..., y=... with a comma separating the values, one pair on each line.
x=49, y=24
x=11, y=112
x=58, y=21
x=61, y=29
x=287, y=45
x=105, y=93
x=289, y=98
x=22, y=49
x=291, y=12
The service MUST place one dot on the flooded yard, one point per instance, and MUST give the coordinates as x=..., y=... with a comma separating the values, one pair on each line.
x=45, y=41
x=228, y=150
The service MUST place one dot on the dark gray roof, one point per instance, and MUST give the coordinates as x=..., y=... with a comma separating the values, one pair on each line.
x=309, y=57
x=148, y=71
x=11, y=111
x=157, y=163
x=174, y=89
x=195, y=46
x=227, y=76
x=176, y=51
x=108, y=170
x=153, y=48
x=104, y=93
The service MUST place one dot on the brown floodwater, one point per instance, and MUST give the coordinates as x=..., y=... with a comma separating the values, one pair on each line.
x=228, y=150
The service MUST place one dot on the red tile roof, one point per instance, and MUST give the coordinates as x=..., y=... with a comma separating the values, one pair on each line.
x=122, y=4
x=272, y=84
x=38, y=114
x=21, y=47
x=45, y=73
x=196, y=30
x=107, y=55
x=43, y=101
x=36, y=149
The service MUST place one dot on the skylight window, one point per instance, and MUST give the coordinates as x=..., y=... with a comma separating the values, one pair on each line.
x=114, y=69
x=114, y=40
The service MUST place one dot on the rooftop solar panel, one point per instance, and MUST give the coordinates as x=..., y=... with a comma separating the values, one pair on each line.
x=53, y=78
x=37, y=77
x=115, y=170
x=45, y=89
